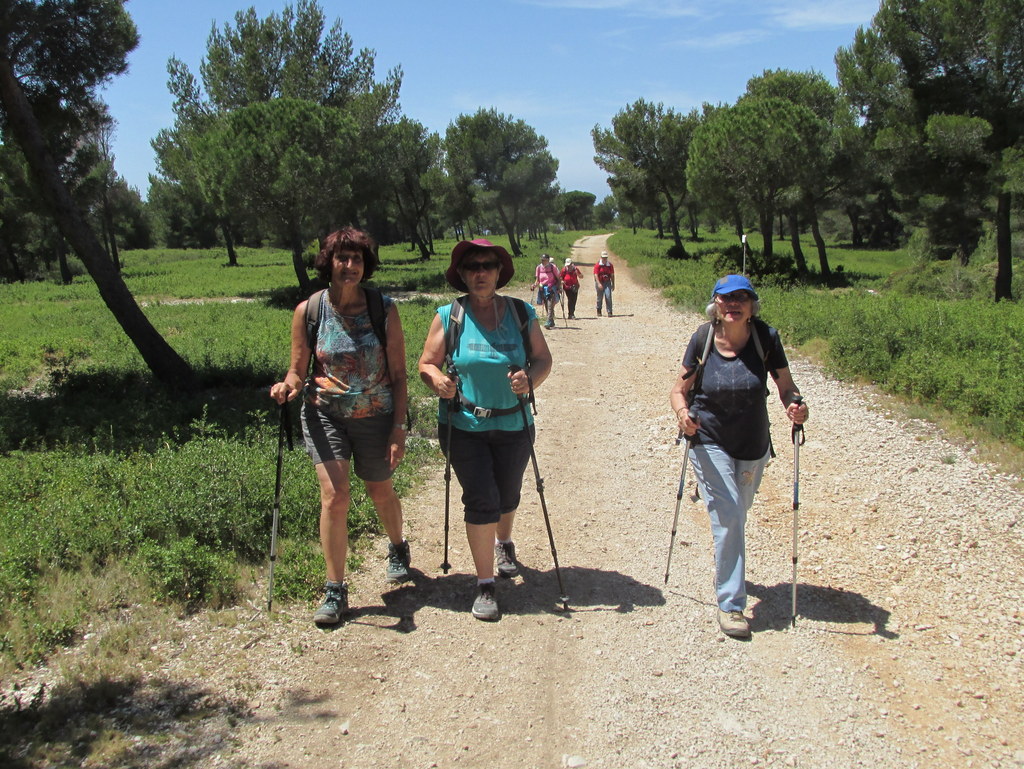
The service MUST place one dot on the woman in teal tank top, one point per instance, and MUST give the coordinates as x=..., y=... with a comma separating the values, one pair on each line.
x=488, y=373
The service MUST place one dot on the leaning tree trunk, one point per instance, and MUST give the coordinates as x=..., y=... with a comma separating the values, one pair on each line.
x=673, y=223
x=819, y=241
x=794, y=239
x=510, y=229
x=229, y=242
x=299, y=265
x=61, y=248
x=1004, y=255
x=767, y=217
x=163, y=361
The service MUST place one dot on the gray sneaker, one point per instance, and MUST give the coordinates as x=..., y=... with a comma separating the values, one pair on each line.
x=335, y=604
x=485, y=606
x=397, y=569
x=734, y=624
x=505, y=556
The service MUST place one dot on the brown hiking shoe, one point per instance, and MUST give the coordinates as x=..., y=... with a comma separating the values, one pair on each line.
x=734, y=624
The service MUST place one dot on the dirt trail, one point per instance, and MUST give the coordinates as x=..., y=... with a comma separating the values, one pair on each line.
x=907, y=653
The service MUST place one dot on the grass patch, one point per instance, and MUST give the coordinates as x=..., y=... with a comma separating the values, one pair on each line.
x=962, y=356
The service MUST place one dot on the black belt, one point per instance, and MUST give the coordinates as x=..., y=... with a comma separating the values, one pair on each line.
x=481, y=413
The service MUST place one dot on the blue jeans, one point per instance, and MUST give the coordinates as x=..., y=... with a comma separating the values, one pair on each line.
x=728, y=486
x=605, y=292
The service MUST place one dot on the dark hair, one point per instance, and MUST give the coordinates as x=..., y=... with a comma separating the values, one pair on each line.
x=347, y=239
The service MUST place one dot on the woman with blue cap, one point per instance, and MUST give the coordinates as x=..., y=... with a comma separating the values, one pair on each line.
x=720, y=402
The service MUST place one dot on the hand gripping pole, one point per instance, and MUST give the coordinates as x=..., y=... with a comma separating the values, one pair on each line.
x=692, y=414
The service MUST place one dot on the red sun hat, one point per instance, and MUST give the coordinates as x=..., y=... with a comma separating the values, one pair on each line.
x=452, y=273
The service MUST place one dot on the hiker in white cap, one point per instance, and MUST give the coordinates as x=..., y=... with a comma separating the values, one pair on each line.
x=604, y=282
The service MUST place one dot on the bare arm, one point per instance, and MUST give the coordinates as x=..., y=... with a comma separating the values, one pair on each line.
x=291, y=385
x=788, y=392
x=679, y=398
x=432, y=359
x=399, y=385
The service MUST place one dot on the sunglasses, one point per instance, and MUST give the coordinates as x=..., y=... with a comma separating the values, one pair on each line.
x=480, y=266
x=735, y=296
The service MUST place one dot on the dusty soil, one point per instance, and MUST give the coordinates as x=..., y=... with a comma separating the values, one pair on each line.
x=907, y=650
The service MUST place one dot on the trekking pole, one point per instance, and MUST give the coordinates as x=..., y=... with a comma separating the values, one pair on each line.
x=561, y=300
x=692, y=414
x=540, y=490
x=451, y=371
x=798, y=439
x=284, y=429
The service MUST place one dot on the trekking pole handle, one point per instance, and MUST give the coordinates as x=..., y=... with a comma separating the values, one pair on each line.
x=798, y=430
x=692, y=414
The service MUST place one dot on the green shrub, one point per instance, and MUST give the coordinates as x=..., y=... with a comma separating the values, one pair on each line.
x=189, y=572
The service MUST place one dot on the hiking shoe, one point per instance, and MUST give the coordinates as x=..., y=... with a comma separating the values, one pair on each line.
x=734, y=624
x=397, y=569
x=485, y=606
x=334, y=606
x=505, y=556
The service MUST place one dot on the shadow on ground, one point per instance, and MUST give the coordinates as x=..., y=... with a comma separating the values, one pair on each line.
x=532, y=592
x=821, y=604
x=117, y=724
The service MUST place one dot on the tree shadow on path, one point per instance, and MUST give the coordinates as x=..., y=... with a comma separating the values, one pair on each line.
x=821, y=604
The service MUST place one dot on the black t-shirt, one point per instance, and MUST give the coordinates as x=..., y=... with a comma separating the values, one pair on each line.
x=731, y=403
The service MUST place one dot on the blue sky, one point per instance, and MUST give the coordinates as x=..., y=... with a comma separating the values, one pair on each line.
x=563, y=66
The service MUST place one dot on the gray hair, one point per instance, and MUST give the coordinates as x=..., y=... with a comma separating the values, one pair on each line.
x=712, y=310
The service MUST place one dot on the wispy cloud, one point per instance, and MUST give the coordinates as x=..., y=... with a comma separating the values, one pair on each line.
x=733, y=39
x=659, y=9
x=821, y=14
x=790, y=14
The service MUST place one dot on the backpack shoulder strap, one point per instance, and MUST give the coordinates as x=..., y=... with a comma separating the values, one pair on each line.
x=760, y=328
x=454, y=330
x=458, y=313
x=314, y=311
x=378, y=317
x=523, y=321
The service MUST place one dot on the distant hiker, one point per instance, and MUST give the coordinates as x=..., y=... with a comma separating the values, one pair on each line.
x=571, y=275
x=547, y=283
x=480, y=422
x=355, y=399
x=604, y=282
x=724, y=378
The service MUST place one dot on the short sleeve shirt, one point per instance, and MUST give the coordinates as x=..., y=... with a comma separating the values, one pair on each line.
x=731, y=403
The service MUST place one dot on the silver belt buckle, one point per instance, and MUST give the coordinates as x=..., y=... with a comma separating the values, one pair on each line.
x=481, y=413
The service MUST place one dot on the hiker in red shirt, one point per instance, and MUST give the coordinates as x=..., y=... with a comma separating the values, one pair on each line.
x=547, y=284
x=604, y=282
x=571, y=275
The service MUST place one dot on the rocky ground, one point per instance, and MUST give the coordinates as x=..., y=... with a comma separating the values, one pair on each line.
x=907, y=651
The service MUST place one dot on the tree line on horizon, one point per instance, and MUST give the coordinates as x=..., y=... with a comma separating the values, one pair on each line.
x=285, y=134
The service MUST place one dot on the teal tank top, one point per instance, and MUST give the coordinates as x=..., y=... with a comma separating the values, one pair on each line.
x=482, y=359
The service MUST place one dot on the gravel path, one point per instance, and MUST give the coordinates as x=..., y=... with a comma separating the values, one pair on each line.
x=907, y=651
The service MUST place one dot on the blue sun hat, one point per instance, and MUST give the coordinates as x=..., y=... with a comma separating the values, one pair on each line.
x=730, y=283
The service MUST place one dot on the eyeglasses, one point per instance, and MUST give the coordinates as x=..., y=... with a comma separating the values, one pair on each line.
x=348, y=256
x=480, y=266
x=735, y=296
